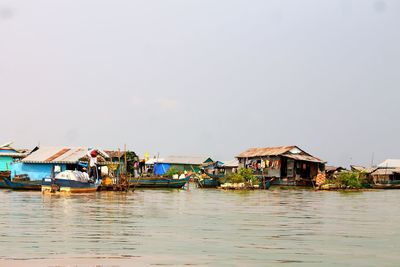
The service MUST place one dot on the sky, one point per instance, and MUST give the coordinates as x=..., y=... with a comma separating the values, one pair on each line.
x=203, y=77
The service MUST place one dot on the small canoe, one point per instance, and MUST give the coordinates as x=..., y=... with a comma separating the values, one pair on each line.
x=4, y=175
x=386, y=186
x=23, y=185
x=208, y=183
x=215, y=176
x=3, y=184
x=159, y=182
x=55, y=185
x=212, y=181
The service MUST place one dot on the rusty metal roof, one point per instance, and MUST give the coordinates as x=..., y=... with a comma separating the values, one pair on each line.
x=58, y=155
x=11, y=152
x=266, y=151
x=293, y=152
x=303, y=157
x=114, y=153
x=13, y=155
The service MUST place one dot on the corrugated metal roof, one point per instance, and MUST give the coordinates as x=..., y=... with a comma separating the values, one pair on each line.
x=390, y=163
x=385, y=171
x=114, y=153
x=59, y=155
x=12, y=152
x=231, y=163
x=303, y=157
x=154, y=160
x=13, y=155
x=358, y=168
x=331, y=168
x=293, y=152
x=266, y=151
x=190, y=160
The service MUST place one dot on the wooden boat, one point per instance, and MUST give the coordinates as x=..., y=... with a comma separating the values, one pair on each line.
x=159, y=182
x=4, y=175
x=23, y=185
x=69, y=182
x=390, y=185
x=50, y=185
x=215, y=176
x=211, y=181
x=208, y=183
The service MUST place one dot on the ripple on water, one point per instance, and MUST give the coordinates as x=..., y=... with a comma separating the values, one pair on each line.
x=207, y=227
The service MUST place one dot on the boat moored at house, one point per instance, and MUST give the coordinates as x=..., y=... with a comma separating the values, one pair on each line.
x=8, y=155
x=160, y=182
x=70, y=182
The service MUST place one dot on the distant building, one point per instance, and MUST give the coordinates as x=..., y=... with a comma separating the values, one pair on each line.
x=288, y=165
x=8, y=155
x=181, y=163
x=387, y=171
x=230, y=166
x=331, y=171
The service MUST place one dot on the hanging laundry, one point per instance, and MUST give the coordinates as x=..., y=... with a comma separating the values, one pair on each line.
x=262, y=164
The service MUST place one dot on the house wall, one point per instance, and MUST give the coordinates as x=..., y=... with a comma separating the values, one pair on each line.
x=288, y=168
x=5, y=163
x=268, y=172
x=186, y=167
x=229, y=170
x=35, y=171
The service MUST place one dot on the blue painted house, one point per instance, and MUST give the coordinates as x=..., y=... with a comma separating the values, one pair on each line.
x=40, y=163
x=7, y=156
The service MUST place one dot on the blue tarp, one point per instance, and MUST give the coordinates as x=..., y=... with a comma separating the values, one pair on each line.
x=161, y=168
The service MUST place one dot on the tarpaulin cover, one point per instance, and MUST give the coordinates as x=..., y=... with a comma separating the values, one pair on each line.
x=161, y=168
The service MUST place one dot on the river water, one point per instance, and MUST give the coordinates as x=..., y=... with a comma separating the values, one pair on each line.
x=201, y=227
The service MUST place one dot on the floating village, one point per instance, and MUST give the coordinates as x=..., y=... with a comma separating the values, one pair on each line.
x=66, y=169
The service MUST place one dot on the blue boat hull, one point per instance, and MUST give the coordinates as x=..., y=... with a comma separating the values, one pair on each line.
x=4, y=175
x=68, y=186
x=3, y=184
x=157, y=182
x=23, y=185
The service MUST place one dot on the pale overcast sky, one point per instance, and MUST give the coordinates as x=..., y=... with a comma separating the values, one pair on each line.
x=203, y=77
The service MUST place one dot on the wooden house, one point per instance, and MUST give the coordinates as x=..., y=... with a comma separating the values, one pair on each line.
x=286, y=165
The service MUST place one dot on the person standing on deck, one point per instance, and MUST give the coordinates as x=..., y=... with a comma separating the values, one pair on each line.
x=92, y=154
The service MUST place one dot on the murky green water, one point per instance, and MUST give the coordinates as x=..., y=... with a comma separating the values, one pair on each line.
x=205, y=227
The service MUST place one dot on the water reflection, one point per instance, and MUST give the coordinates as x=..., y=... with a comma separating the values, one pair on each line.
x=204, y=227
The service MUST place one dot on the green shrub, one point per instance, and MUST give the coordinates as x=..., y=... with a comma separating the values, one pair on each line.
x=171, y=171
x=242, y=176
x=349, y=179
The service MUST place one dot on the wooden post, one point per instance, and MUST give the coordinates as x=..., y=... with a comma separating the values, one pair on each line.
x=126, y=167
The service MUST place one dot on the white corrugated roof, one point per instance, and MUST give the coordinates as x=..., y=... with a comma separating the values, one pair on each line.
x=385, y=171
x=154, y=160
x=390, y=163
x=58, y=155
x=231, y=163
x=190, y=160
